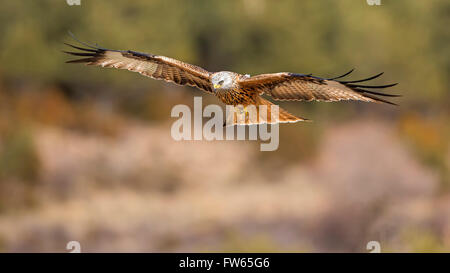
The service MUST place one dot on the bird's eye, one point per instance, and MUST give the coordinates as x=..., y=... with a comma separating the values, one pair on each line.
x=221, y=82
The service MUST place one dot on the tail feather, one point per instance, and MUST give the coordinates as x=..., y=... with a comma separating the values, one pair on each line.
x=262, y=112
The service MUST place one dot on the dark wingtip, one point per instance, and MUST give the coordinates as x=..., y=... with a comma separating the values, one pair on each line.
x=78, y=53
x=83, y=43
x=95, y=47
x=384, y=101
x=380, y=100
x=341, y=76
x=363, y=80
x=82, y=48
x=375, y=93
x=84, y=60
x=371, y=86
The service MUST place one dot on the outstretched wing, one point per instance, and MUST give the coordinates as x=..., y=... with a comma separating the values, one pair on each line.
x=291, y=86
x=154, y=66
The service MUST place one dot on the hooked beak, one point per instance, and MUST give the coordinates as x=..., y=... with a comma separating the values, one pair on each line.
x=217, y=86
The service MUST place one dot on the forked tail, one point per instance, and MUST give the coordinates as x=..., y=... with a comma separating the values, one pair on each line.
x=263, y=112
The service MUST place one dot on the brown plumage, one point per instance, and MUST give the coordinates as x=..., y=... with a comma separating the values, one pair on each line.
x=233, y=88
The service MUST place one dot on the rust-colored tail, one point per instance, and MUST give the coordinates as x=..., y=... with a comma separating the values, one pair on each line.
x=263, y=112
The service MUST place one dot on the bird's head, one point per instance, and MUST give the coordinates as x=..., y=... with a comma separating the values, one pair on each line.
x=223, y=80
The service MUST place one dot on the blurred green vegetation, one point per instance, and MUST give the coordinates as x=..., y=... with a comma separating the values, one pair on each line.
x=18, y=158
x=430, y=139
x=234, y=241
x=423, y=241
x=19, y=169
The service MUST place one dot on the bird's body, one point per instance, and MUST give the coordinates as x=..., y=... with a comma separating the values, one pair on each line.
x=232, y=88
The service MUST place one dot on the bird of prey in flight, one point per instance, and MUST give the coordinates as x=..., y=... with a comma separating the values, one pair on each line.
x=233, y=88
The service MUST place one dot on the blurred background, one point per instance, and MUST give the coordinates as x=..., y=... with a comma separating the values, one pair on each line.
x=86, y=153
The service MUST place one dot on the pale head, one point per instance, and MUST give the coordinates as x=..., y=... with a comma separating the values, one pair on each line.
x=223, y=80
